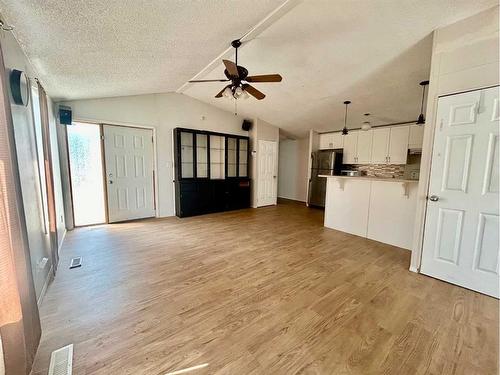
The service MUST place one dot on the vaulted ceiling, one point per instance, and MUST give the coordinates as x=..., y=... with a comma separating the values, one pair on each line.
x=372, y=52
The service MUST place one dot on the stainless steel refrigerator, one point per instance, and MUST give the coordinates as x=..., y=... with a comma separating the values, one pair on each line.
x=324, y=162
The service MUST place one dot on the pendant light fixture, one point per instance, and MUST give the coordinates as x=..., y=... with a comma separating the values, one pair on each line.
x=421, y=117
x=366, y=125
x=345, y=131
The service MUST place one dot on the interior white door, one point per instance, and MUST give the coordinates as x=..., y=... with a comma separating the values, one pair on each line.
x=398, y=145
x=380, y=145
x=128, y=153
x=364, y=147
x=461, y=242
x=350, y=148
x=268, y=173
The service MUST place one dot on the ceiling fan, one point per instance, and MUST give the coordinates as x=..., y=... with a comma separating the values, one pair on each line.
x=239, y=78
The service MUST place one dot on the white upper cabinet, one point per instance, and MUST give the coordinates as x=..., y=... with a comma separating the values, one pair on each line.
x=386, y=145
x=398, y=145
x=380, y=145
x=390, y=145
x=416, y=136
x=329, y=141
x=364, y=147
x=350, y=148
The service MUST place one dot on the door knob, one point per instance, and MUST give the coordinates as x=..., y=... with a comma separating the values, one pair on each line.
x=433, y=198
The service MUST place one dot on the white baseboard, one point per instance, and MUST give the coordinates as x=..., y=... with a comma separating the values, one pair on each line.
x=292, y=199
x=414, y=269
x=49, y=278
x=62, y=241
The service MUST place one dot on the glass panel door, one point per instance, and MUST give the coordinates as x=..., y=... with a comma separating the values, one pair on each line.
x=87, y=185
x=201, y=155
x=243, y=158
x=187, y=151
x=232, y=150
x=217, y=146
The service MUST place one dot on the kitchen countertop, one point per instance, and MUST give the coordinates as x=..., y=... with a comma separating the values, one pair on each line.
x=388, y=179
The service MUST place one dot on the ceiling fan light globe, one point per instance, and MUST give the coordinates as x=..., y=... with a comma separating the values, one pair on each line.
x=227, y=93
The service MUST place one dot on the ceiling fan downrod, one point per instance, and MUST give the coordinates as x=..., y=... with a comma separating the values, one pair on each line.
x=236, y=44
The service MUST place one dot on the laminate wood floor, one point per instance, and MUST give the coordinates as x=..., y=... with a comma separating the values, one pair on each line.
x=258, y=291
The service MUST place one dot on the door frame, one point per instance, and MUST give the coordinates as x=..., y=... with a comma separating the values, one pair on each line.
x=276, y=148
x=103, y=162
x=425, y=172
x=103, y=175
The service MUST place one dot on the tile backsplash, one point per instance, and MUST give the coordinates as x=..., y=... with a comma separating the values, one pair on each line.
x=409, y=170
x=380, y=170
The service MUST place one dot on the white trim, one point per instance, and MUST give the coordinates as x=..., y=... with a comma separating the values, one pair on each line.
x=291, y=199
x=49, y=278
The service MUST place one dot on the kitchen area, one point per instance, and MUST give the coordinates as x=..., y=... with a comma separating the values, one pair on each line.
x=367, y=181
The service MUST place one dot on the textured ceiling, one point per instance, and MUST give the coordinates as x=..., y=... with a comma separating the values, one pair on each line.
x=373, y=53
x=99, y=48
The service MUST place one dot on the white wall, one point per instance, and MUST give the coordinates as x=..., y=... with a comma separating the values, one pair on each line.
x=22, y=118
x=465, y=56
x=164, y=112
x=293, y=173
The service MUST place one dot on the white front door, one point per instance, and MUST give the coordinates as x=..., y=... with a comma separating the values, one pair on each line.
x=461, y=242
x=268, y=173
x=129, y=172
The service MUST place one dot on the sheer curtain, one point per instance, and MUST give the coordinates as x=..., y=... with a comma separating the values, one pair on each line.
x=19, y=318
x=49, y=178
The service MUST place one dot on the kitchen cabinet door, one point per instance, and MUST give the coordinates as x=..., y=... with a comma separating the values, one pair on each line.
x=350, y=148
x=364, y=147
x=338, y=140
x=416, y=137
x=398, y=145
x=380, y=145
x=326, y=141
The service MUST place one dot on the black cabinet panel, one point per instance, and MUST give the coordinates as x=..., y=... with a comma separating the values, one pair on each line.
x=197, y=193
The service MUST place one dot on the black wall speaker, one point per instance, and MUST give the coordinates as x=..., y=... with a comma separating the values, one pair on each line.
x=247, y=125
x=65, y=117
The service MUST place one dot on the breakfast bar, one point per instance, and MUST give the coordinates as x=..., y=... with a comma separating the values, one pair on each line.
x=382, y=209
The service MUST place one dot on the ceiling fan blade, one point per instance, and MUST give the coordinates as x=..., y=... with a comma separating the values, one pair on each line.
x=264, y=78
x=231, y=67
x=254, y=92
x=219, y=95
x=208, y=80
